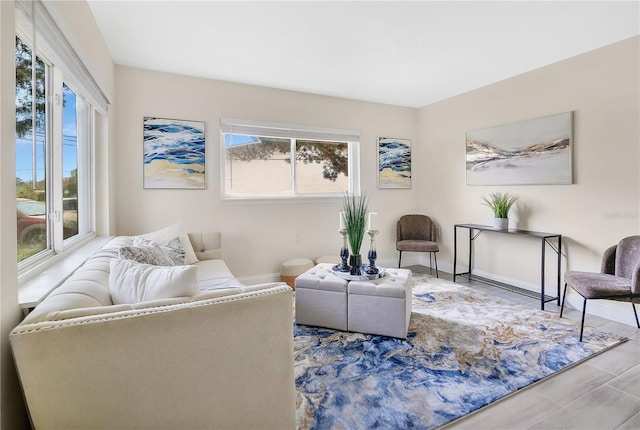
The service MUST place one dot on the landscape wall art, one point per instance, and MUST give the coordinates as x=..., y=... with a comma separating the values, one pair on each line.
x=536, y=151
x=174, y=153
x=394, y=163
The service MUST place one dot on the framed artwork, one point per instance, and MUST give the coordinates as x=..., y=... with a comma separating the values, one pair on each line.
x=174, y=153
x=536, y=151
x=394, y=163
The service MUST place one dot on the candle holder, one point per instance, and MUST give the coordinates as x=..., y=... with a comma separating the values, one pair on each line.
x=344, y=253
x=373, y=254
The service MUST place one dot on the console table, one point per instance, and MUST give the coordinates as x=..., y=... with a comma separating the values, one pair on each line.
x=546, y=239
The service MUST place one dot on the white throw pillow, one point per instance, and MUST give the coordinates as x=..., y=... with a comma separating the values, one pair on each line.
x=132, y=282
x=168, y=233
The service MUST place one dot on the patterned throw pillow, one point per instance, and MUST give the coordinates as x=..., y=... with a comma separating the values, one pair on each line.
x=165, y=234
x=153, y=255
x=172, y=248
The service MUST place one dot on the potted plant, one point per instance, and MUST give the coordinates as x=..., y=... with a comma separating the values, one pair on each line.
x=500, y=203
x=355, y=211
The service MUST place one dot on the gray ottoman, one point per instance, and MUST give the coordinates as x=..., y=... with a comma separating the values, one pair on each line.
x=321, y=298
x=381, y=306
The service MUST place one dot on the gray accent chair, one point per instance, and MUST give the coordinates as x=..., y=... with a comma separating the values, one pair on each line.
x=416, y=233
x=619, y=278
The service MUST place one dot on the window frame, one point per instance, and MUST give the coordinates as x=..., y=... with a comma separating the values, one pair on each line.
x=293, y=133
x=54, y=176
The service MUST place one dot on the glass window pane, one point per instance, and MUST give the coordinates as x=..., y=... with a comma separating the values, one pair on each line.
x=69, y=163
x=257, y=165
x=321, y=167
x=31, y=202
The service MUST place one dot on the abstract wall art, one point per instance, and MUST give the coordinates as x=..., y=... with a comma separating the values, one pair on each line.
x=394, y=163
x=536, y=151
x=174, y=153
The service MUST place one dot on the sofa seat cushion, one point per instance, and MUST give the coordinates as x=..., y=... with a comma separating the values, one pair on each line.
x=214, y=275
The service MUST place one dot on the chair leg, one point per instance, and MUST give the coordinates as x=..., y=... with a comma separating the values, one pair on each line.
x=435, y=257
x=584, y=310
x=399, y=259
x=635, y=313
x=564, y=294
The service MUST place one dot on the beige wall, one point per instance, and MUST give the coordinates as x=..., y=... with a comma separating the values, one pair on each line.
x=600, y=87
x=601, y=206
x=257, y=237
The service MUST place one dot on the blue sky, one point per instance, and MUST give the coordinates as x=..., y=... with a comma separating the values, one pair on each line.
x=24, y=160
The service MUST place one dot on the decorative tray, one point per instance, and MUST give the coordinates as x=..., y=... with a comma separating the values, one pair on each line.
x=364, y=277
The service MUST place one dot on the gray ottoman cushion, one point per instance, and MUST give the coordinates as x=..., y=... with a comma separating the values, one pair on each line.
x=381, y=306
x=321, y=298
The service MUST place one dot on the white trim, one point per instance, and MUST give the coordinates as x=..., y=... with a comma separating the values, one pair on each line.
x=609, y=309
x=274, y=129
x=260, y=279
x=616, y=311
x=34, y=13
x=231, y=126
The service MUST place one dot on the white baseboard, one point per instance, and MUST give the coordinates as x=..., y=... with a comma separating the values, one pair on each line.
x=260, y=279
x=275, y=277
x=615, y=311
x=611, y=310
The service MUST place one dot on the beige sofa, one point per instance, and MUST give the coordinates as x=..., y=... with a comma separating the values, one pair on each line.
x=221, y=359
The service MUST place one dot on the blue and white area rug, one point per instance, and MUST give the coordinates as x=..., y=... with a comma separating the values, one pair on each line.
x=465, y=350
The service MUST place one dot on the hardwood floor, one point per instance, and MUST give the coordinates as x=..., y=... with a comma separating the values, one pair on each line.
x=602, y=393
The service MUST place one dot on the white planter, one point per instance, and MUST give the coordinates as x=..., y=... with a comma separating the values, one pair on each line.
x=501, y=223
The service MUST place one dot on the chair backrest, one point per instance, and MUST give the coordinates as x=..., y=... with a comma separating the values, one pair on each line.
x=627, y=256
x=416, y=227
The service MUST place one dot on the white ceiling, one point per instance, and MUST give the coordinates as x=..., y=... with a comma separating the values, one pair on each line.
x=400, y=53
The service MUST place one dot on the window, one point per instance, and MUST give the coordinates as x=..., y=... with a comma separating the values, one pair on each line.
x=264, y=160
x=53, y=162
x=31, y=149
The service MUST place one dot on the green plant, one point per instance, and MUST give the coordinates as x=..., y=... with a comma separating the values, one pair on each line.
x=500, y=203
x=355, y=211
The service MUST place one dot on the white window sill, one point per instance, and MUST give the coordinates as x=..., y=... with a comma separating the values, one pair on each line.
x=282, y=200
x=34, y=289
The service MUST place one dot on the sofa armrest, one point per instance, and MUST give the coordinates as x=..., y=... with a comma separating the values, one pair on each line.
x=207, y=246
x=225, y=362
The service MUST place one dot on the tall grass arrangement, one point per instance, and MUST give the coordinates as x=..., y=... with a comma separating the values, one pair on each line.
x=500, y=203
x=355, y=211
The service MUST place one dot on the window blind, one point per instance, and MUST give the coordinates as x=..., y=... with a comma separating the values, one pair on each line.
x=33, y=18
x=267, y=129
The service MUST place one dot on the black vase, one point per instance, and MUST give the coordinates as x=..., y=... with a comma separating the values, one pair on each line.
x=355, y=261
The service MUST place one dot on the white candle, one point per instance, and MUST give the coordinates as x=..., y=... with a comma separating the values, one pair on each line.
x=342, y=227
x=371, y=223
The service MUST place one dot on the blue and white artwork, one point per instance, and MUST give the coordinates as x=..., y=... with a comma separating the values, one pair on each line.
x=535, y=151
x=394, y=163
x=173, y=153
